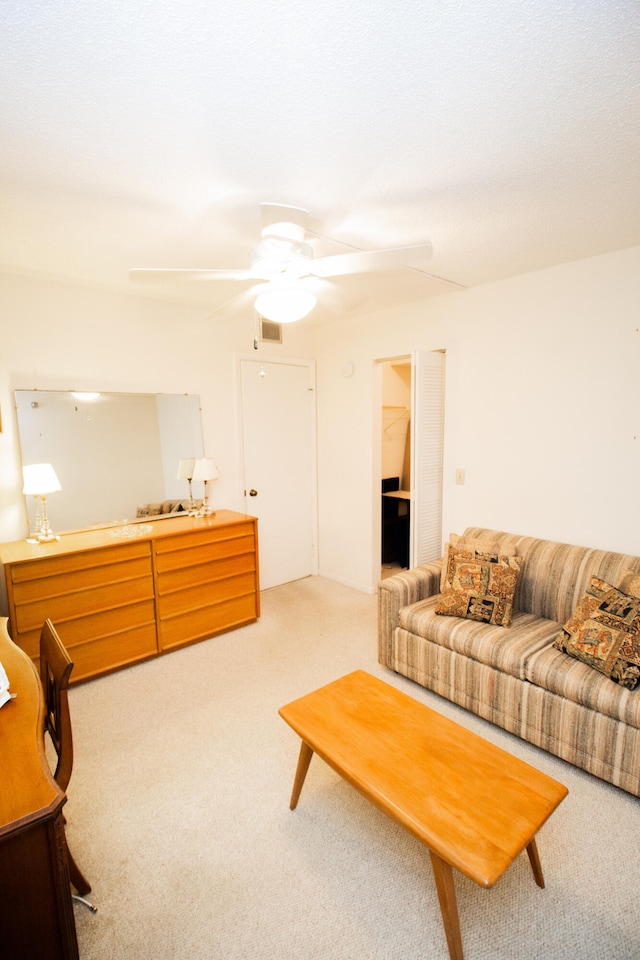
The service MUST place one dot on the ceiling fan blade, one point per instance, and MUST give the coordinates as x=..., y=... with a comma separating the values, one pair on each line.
x=161, y=273
x=368, y=261
x=243, y=299
x=331, y=296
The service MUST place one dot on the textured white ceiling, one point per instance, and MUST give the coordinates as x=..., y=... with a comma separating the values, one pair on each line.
x=147, y=133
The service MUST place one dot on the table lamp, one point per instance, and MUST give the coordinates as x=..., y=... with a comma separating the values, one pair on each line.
x=40, y=480
x=185, y=472
x=205, y=470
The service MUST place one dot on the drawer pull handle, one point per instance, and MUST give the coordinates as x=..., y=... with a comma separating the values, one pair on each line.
x=253, y=493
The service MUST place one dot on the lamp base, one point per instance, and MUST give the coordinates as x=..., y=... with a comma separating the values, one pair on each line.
x=192, y=507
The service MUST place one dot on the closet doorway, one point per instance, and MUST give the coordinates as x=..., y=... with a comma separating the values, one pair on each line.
x=411, y=459
x=396, y=465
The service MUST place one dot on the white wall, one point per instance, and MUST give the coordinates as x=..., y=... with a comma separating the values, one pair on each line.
x=58, y=336
x=542, y=397
x=542, y=410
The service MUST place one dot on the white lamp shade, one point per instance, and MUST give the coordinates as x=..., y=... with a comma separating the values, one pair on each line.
x=205, y=470
x=285, y=304
x=40, y=479
x=185, y=468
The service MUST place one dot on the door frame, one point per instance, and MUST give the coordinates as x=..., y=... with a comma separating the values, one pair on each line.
x=378, y=364
x=411, y=358
x=266, y=360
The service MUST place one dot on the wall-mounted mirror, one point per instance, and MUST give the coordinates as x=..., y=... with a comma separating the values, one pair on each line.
x=112, y=452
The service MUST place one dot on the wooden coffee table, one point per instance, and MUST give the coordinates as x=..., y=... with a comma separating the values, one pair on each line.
x=475, y=806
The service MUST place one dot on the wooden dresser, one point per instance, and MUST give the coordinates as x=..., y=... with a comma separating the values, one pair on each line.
x=123, y=594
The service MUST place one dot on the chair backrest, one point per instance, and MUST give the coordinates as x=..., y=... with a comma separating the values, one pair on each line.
x=55, y=671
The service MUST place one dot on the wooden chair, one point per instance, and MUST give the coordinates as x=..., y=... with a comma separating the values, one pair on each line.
x=55, y=671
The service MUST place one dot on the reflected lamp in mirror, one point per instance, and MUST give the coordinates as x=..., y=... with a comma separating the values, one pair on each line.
x=185, y=472
x=205, y=470
x=39, y=481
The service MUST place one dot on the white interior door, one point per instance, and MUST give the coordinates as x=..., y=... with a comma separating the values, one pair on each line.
x=279, y=465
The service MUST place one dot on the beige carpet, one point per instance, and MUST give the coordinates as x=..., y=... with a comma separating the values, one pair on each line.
x=178, y=814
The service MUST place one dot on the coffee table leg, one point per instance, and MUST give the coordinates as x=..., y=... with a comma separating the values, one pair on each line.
x=534, y=860
x=443, y=873
x=304, y=760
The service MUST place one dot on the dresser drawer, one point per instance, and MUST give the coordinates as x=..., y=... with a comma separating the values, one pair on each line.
x=188, y=542
x=207, y=552
x=83, y=560
x=189, y=576
x=111, y=652
x=82, y=580
x=81, y=630
x=204, y=595
x=30, y=616
x=207, y=621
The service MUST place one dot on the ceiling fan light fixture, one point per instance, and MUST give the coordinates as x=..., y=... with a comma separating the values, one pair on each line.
x=290, y=232
x=285, y=305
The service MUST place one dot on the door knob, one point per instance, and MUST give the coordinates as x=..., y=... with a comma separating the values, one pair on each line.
x=253, y=493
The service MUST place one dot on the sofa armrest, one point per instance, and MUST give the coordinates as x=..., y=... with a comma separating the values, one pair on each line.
x=399, y=591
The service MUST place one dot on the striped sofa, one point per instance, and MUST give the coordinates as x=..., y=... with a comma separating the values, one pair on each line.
x=514, y=676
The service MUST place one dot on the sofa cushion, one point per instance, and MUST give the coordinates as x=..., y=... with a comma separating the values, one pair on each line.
x=604, y=632
x=553, y=670
x=505, y=650
x=479, y=586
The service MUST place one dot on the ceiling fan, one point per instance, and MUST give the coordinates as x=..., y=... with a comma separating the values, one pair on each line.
x=285, y=269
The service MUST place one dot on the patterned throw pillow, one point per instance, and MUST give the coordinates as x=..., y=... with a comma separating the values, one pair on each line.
x=455, y=543
x=479, y=586
x=604, y=632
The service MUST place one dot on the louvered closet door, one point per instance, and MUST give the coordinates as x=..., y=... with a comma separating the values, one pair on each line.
x=427, y=445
